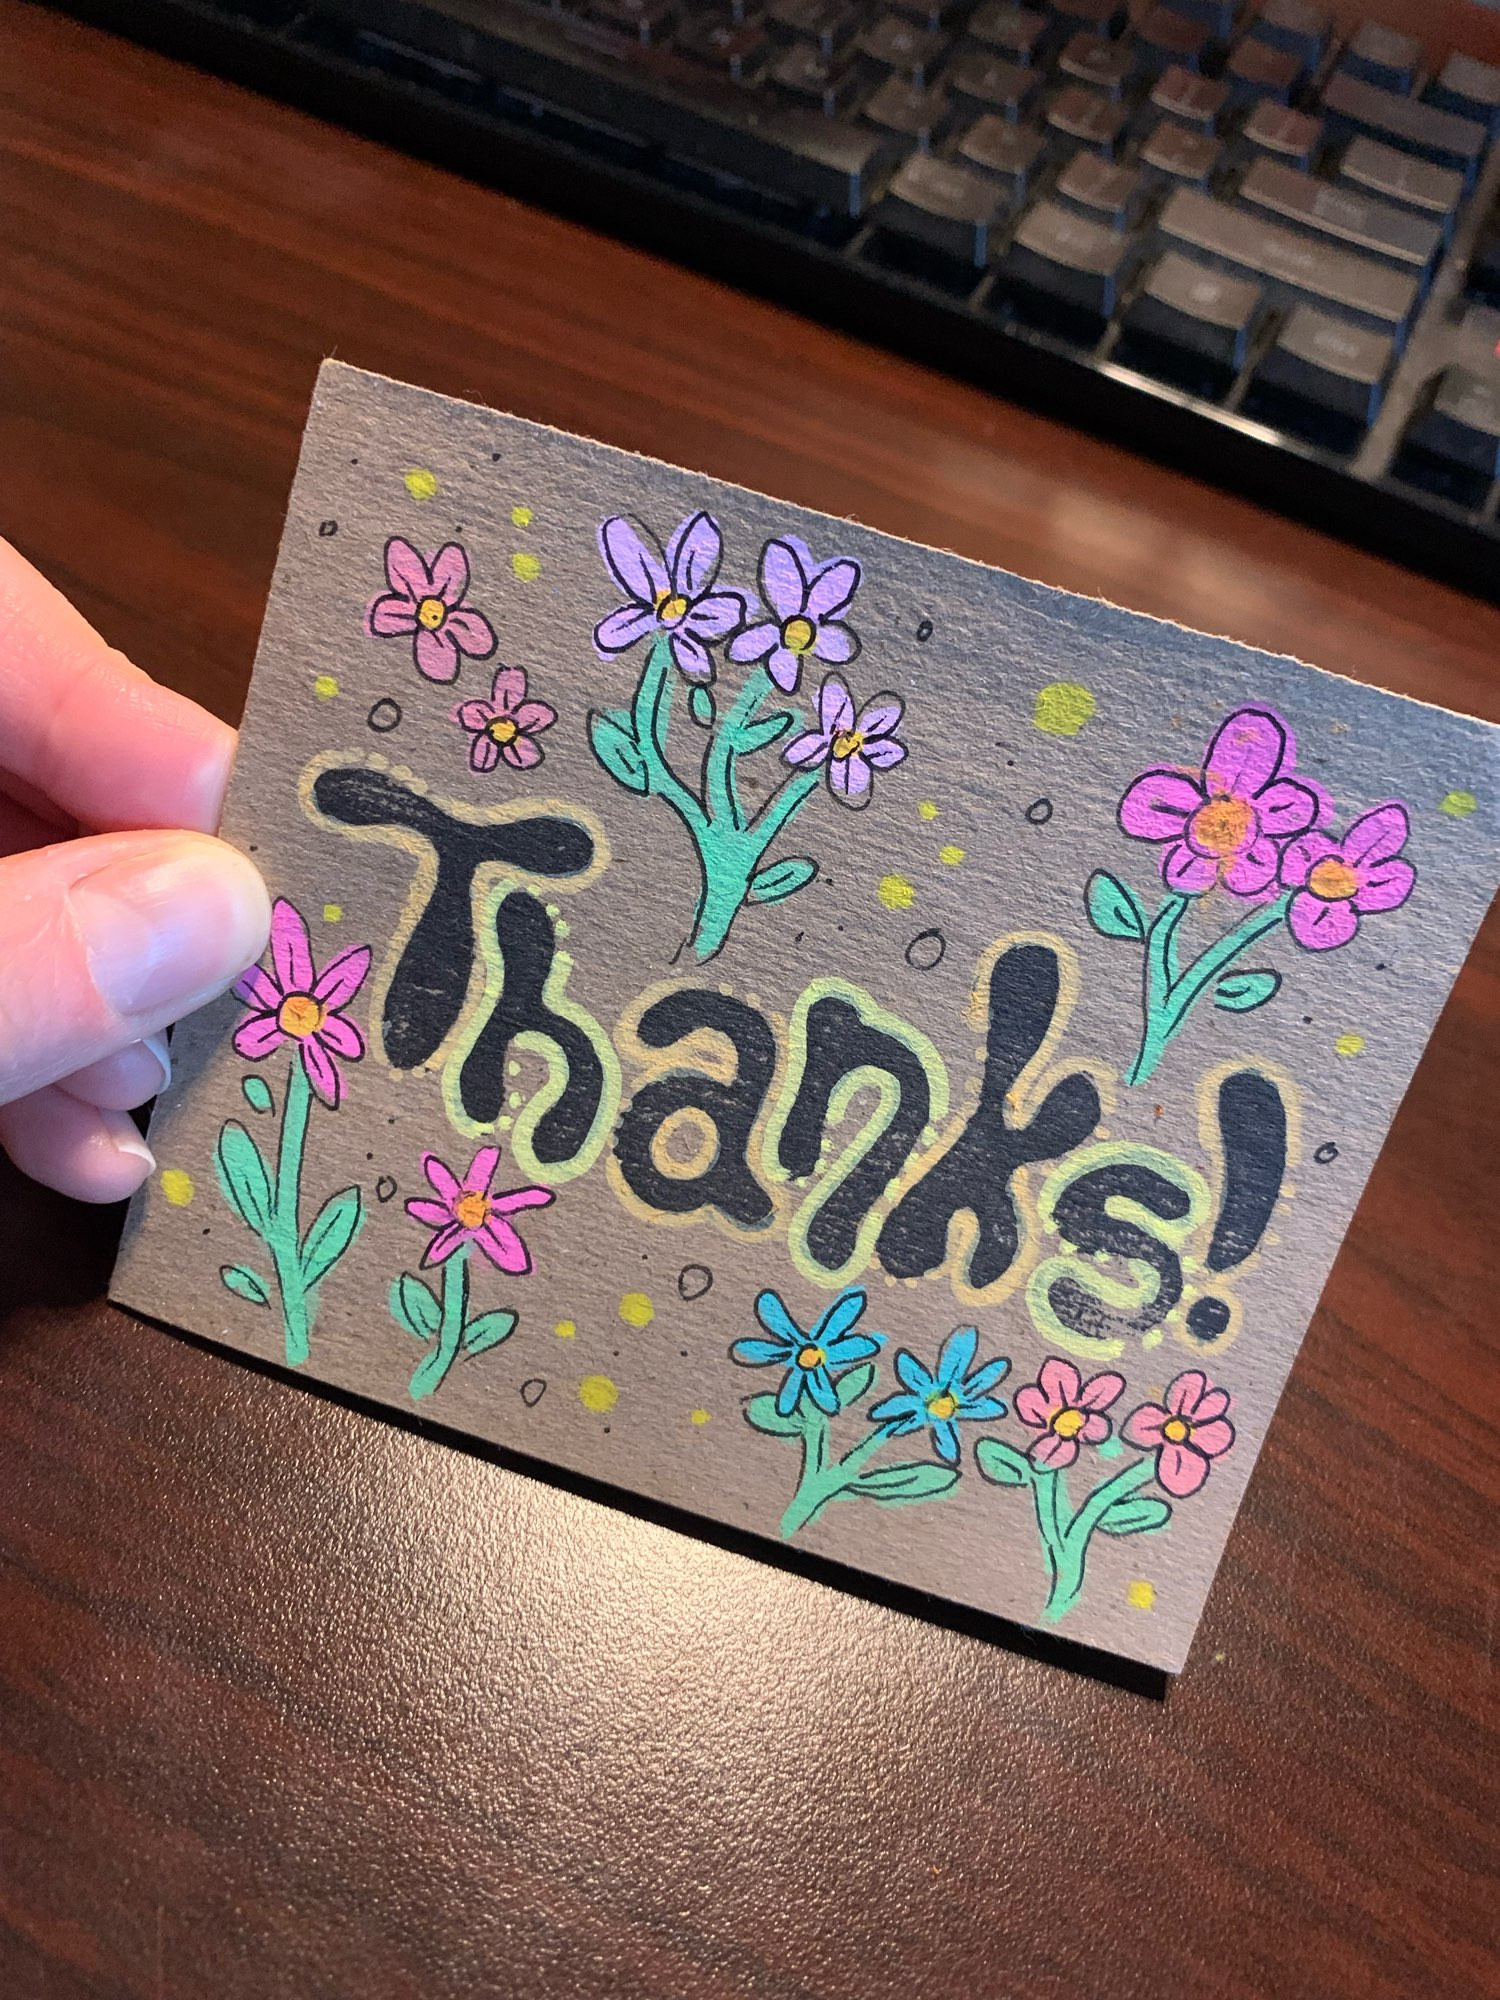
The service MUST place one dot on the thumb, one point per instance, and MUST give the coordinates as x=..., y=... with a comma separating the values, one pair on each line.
x=105, y=940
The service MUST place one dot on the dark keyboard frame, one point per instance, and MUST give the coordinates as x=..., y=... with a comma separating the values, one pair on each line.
x=558, y=168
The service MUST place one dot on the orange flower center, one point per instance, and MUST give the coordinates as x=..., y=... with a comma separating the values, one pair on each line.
x=300, y=1015
x=797, y=635
x=847, y=742
x=431, y=612
x=943, y=1405
x=670, y=609
x=811, y=1357
x=503, y=729
x=1176, y=1431
x=1333, y=880
x=1068, y=1423
x=472, y=1210
x=1221, y=826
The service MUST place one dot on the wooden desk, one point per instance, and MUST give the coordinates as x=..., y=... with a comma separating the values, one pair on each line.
x=293, y=1703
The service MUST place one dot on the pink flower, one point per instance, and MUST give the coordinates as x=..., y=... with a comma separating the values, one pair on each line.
x=1225, y=823
x=427, y=600
x=295, y=1003
x=505, y=725
x=1066, y=1410
x=1337, y=880
x=852, y=748
x=466, y=1212
x=1186, y=1435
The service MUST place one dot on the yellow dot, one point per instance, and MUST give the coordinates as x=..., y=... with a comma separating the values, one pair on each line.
x=420, y=483
x=527, y=567
x=700, y=1417
x=333, y=913
x=177, y=1187
x=1349, y=1045
x=325, y=687
x=636, y=1309
x=927, y=810
x=950, y=856
x=598, y=1393
x=896, y=892
x=1140, y=1594
x=566, y=1329
x=1062, y=708
x=520, y=517
x=1458, y=805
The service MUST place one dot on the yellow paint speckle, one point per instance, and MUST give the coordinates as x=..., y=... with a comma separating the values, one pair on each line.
x=950, y=856
x=526, y=566
x=1458, y=805
x=636, y=1309
x=1141, y=1595
x=520, y=517
x=325, y=687
x=177, y=1187
x=1062, y=708
x=896, y=892
x=566, y=1329
x=927, y=810
x=1349, y=1045
x=1153, y=1338
x=333, y=913
x=700, y=1417
x=420, y=483
x=598, y=1393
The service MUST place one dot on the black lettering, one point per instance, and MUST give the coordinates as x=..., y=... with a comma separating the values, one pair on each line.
x=1083, y=1219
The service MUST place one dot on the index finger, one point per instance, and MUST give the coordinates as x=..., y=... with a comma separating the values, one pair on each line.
x=91, y=732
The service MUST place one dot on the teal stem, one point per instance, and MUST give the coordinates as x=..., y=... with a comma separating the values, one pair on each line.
x=1168, y=995
x=821, y=1482
x=283, y=1239
x=453, y=1317
x=1067, y=1536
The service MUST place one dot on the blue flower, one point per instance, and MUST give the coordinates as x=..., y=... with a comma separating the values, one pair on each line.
x=941, y=1402
x=808, y=1357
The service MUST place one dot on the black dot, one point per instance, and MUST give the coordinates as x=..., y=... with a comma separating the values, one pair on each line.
x=369, y=1156
x=254, y=849
x=385, y=716
x=926, y=950
x=1207, y=1318
x=327, y=528
x=606, y=1430
x=1011, y=761
x=385, y=1187
x=924, y=631
x=1039, y=811
x=1326, y=1154
x=495, y=457
x=694, y=1280
x=1380, y=965
x=1307, y=1020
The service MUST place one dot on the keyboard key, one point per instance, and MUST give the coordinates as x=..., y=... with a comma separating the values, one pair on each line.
x=1376, y=226
x=1436, y=135
x=1187, y=305
x=1378, y=54
x=1017, y=32
x=1179, y=156
x=1294, y=25
x=907, y=111
x=645, y=21
x=1461, y=424
x=1077, y=113
x=1290, y=136
x=1092, y=59
x=1470, y=88
x=1376, y=292
x=1256, y=70
x=944, y=206
x=1007, y=152
x=984, y=82
x=1217, y=16
x=1063, y=269
x=1399, y=177
x=896, y=45
x=1090, y=17
x=739, y=50
x=1193, y=100
x=830, y=25
x=1338, y=368
x=833, y=85
x=1164, y=38
x=1101, y=191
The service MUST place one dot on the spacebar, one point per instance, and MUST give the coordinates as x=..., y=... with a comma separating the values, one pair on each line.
x=1384, y=298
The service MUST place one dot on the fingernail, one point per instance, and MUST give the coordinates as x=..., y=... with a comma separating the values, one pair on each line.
x=166, y=931
x=157, y=1044
x=133, y=1144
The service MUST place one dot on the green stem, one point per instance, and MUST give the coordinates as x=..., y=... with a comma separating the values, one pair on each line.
x=1067, y=1550
x=453, y=1318
x=651, y=713
x=283, y=1239
x=821, y=1482
x=1169, y=996
x=720, y=793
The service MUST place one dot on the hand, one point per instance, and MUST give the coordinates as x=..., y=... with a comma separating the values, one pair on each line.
x=108, y=932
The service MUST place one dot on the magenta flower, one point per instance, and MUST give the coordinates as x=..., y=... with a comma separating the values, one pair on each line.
x=505, y=725
x=466, y=1212
x=808, y=600
x=1225, y=823
x=1066, y=1410
x=852, y=747
x=672, y=593
x=429, y=601
x=1186, y=1435
x=294, y=1002
x=1339, y=880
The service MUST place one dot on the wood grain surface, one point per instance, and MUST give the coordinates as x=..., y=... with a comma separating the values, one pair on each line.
x=294, y=1702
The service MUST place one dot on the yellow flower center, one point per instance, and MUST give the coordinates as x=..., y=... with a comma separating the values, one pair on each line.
x=431, y=612
x=1068, y=1423
x=1176, y=1431
x=503, y=730
x=670, y=609
x=847, y=742
x=1221, y=826
x=798, y=634
x=811, y=1357
x=942, y=1405
x=472, y=1210
x=300, y=1015
x=1333, y=880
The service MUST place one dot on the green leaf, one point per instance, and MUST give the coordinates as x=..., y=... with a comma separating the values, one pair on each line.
x=762, y=1414
x=701, y=707
x=243, y=1177
x=782, y=879
x=245, y=1284
x=892, y=1484
x=1138, y=1516
x=757, y=735
x=488, y=1330
x=1114, y=910
x=1239, y=992
x=258, y=1093
x=428, y=1374
x=414, y=1307
x=329, y=1234
x=1002, y=1463
x=854, y=1383
x=615, y=746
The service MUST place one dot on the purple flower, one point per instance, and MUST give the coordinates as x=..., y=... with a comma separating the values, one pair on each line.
x=505, y=725
x=808, y=599
x=853, y=747
x=672, y=593
x=294, y=1002
x=1338, y=880
x=1224, y=825
x=426, y=599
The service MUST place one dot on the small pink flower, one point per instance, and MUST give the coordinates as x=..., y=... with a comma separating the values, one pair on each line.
x=506, y=724
x=294, y=1002
x=1338, y=880
x=466, y=1212
x=1225, y=823
x=852, y=747
x=1186, y=1435
x=1066, y=1410
x=427, y=600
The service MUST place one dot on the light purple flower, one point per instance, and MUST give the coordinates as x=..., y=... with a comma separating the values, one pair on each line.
x=672, y=593
x=295, y=1002
x=1226, y=823
x=505, y=725
x=809, y=600
x=1339, y=880
x=852, y=747
x=427, y=600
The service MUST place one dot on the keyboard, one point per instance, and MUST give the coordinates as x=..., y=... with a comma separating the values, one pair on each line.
x=1218, y=231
